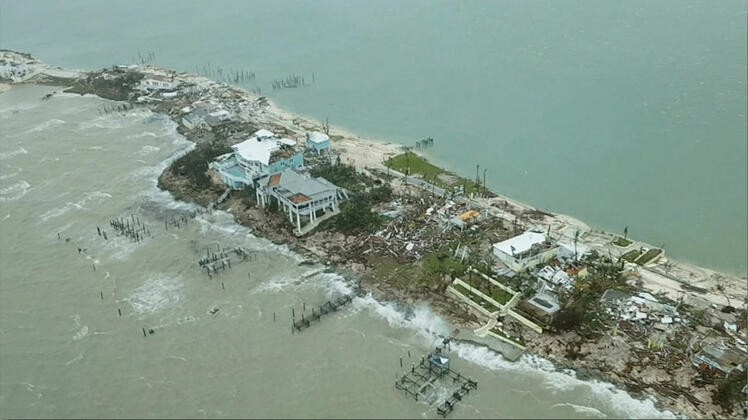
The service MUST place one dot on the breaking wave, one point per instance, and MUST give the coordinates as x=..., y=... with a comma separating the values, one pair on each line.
x=80, y=204
x=45, y=125
x=14, y=191
x=432, y=328
x=11, y=175
x=13, y=153
x=159, y=291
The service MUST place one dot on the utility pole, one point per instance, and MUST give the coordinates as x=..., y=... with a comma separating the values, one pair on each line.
x=484, y=181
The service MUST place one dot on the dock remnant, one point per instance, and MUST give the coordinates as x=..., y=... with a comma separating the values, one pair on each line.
x=421, y=380
x=326, y=308
x=130, y=228
x=220, y=260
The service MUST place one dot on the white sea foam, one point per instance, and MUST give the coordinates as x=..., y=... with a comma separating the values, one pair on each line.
x=120, y=247
x=45, y=125
x=15, y=191
x=141, y=135
x=81, y=333
x=422, y=319
x=88, y=197
x=433, y=328
x=583, y=409
x=146, y=150
x=13, y=153
x=10, y=174
x=277, y=283
x=158, y=291
x=334, y=283
x=619, y=401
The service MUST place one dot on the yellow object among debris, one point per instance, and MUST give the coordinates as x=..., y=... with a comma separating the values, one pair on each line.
x=469, y=215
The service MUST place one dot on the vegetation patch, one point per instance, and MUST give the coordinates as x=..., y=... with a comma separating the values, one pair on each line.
x=631, y=256
x=622, y=242
x=116, y=88
x=582, y=310
x=475, y=298
x=649, y=256
x=441, y=263
x=342, y=175
x=412, y=164
x=356, y=216
x=194, y=165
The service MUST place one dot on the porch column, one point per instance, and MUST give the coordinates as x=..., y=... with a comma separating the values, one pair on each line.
x=298, y=221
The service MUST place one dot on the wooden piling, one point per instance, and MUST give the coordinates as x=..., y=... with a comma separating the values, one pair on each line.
x=144, y=334
x=102, y=295
x=119, y=311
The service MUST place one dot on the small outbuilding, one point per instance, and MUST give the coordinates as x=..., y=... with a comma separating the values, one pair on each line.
x=318, y=142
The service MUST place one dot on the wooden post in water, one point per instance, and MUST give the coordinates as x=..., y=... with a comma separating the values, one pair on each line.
x=119, y=311
x=102, y=295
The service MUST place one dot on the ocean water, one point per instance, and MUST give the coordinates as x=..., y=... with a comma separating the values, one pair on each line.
x=67, y=352
x=618, y=113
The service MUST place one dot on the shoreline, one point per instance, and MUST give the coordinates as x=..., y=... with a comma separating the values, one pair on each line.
x=368, y=153
x=349, y=135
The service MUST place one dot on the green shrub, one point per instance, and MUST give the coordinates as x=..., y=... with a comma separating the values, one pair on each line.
x=194, y=164
x=356, y=216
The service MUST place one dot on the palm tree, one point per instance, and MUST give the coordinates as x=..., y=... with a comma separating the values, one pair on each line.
x=721, y=289
x=625, y=232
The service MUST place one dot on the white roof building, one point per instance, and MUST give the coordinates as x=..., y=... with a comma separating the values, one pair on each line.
x=257, y=149
x=317, y=137
x=525, y=251
x=287, y=142
x=520, y=243
x=263, y=133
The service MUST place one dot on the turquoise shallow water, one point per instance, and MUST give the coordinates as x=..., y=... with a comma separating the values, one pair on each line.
x=618, y=113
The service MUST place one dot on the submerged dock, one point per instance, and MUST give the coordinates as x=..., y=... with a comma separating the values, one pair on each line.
x=326, y=308
x=421, y=381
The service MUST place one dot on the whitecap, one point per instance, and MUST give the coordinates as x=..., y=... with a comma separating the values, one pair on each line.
x=88, y=197
x=582, y=409
x=158, y=291
x=82, y=333
x=13, y=153
x=14, y=191
x=141, y=135
x=11, y=175
x=45, y=125
x=147, y=149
